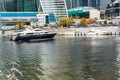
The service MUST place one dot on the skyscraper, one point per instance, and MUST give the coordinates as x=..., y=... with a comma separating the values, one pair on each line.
x=58, y=7
x=104, y=3
x=1, y=5
x=98, y=4
x=76, y=3
x=19, y=5
x=94, y=3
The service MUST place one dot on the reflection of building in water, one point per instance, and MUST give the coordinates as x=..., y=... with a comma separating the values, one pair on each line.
x=118, y=57
x=98, y=56
x=55, y=61
x=28, y=61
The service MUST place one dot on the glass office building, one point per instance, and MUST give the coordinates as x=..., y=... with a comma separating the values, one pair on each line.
x=19, y=5
x=58, y=7
x=98, y=4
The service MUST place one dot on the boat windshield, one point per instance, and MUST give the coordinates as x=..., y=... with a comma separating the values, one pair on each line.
x=37, y=30
x=91, y=30
x=29, y=33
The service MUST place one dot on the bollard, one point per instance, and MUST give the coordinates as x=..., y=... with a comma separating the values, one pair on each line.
x=78, y=33
x=84, y=33
x=81, y=33
x=75, y=34
x=115, y=33
x=111, y=33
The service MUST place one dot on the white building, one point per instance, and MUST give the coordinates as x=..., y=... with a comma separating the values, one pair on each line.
x=94, y=13
x=41, y=19
x=46, y=19
x=58, y=7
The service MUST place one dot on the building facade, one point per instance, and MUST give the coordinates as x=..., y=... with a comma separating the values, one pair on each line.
x=76, y=3
x=113, y=10
x=86, y=12
x=44, y=19
x=19, y=5
x=98, y=4
x=58, y=7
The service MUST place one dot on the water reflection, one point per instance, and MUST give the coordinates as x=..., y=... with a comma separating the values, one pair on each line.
x=117, y=58
x=79, y=58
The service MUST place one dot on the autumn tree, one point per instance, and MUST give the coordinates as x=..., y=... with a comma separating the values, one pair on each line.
x=83, y=22
x=76, y=17
x=69, y=21
x=20, y=25
x=61, y=22
x=88, y=21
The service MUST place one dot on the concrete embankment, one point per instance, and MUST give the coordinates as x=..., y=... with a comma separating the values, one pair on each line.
x=77, y=31
x=84, y=31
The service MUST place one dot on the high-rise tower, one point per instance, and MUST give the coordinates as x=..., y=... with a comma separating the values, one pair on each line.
x=98, y=4
x=19, y=5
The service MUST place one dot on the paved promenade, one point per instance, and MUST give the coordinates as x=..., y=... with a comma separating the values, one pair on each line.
x=82, y=31
x=73, y=31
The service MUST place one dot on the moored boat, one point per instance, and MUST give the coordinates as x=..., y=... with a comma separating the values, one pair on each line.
x=96, y=32
x=33, y=35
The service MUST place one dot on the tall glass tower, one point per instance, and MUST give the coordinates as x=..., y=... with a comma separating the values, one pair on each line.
x=19, y=5
x=27, y=5
x=98, y=4
x=1, y=5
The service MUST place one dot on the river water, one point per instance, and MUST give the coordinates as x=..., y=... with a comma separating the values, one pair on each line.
x=64, y=58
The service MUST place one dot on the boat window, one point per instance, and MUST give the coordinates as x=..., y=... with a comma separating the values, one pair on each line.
x=91, y=31
x=38, y=30
x=20, y=34
x=29, y=33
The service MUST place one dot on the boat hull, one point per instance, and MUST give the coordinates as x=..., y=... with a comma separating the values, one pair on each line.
x=39, y=37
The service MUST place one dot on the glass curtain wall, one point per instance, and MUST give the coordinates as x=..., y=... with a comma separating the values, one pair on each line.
x=94, y=3
x=6, y=5
x=99, y=4
x=1, y=5
x=83, y=3
x=19, y=5
x=29, y=5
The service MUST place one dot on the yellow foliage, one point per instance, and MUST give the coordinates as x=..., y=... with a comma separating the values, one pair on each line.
x=76, y=17
x=61, y=22
x=69, y=21
x=20, y=26
x=65, y=22
x=83, y=22
x=88, y=21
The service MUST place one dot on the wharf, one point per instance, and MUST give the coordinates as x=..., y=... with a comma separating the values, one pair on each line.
x=84, y=31
x=76, y=31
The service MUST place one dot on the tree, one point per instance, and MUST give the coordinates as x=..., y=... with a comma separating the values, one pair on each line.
x=20, y=25
x=61, y=22
x=83, y=22
x=88, y=21
x=69, y=21
x=65, y=22
x=76, y=17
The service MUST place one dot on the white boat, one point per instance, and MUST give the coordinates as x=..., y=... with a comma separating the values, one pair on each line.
x=33, y=35
x=96, y=32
